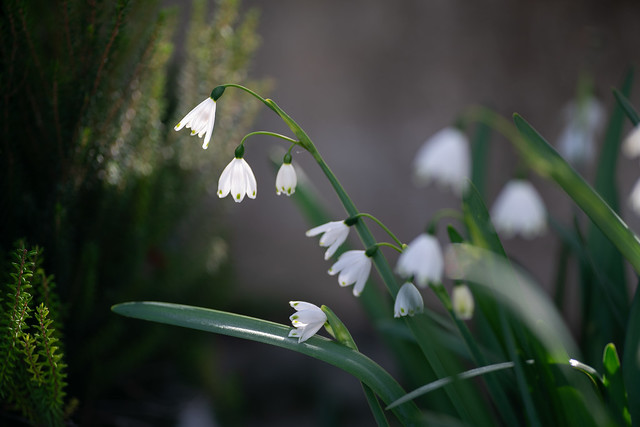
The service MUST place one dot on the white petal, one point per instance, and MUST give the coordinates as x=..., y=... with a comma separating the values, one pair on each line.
x=212, y=121
x=345, y=260
x=363, y=275
x=301, y=305
x=224, y=183
x=238, y=181
x=408, y=301
x=322, y=228
x=250, y=180
x=309, y=316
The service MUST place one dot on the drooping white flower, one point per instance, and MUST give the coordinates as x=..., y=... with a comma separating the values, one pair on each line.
x=446, y=159
x=335, y=233
x=422, y=259
x=631, y=144
x=463, y=303
x=408, y=301
x=354, y=268
x=634, y=198
x=584, y=120
x=286, y=180
x=519, y=209
x=307, y=320
x=238, y=179
x=200, y=120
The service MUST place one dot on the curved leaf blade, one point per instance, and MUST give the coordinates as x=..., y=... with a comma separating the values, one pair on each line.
x=235, y=325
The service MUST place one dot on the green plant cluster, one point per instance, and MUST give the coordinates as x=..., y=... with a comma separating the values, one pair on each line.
x=92, y=170
x=533, y=372
x=33, y=372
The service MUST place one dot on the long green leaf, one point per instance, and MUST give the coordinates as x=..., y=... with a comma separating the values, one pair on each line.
x=601, y=324
x=548, y=163
x=353, y=362
x=631, y=360
x=624, y=102
x=484, y=235
x=427, y=388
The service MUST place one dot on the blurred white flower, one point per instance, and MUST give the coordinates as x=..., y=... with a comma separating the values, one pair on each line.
x=307, y=320
x=335, y=233
x=519, y=209
x=408, y=301
x=201, y=120
x=446, y=159
x=584, y=120
x=463, y=304
x=354, y=268
x=286, y=180
x=238, y=179
x=631, y=144
x=422, y=259
x=634, y=198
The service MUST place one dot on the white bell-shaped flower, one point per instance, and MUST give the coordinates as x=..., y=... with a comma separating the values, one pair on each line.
x=353, y=268
x=200, y=120
x=519, y=209
x=631, y=144
x=286, y=180
x=446, y=159
x=422, y=260
x=408, y=301
x=238, y=179
x=307, y=320
x=462, y=301
x=335, y=233
x=584, y=120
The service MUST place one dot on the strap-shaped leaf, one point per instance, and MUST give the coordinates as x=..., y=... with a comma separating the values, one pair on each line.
x=547, y=162
x=249, y=328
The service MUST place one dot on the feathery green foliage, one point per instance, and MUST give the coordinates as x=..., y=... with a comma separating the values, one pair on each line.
x=33, y=374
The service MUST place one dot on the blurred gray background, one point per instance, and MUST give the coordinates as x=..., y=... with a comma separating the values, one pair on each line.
x=370, y=81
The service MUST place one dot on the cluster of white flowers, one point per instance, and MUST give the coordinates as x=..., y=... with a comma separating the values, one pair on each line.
x=237, y=178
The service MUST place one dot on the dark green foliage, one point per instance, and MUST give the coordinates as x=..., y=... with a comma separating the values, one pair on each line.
x=33, y=373
x=91, y=168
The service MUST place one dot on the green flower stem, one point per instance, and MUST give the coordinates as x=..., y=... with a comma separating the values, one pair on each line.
x=249, y=91
x=267, y=133
x=381, y=224
x=357, y=364
x=390, y=245
x=446, y=213
x=548, y=163
x=418, y=325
